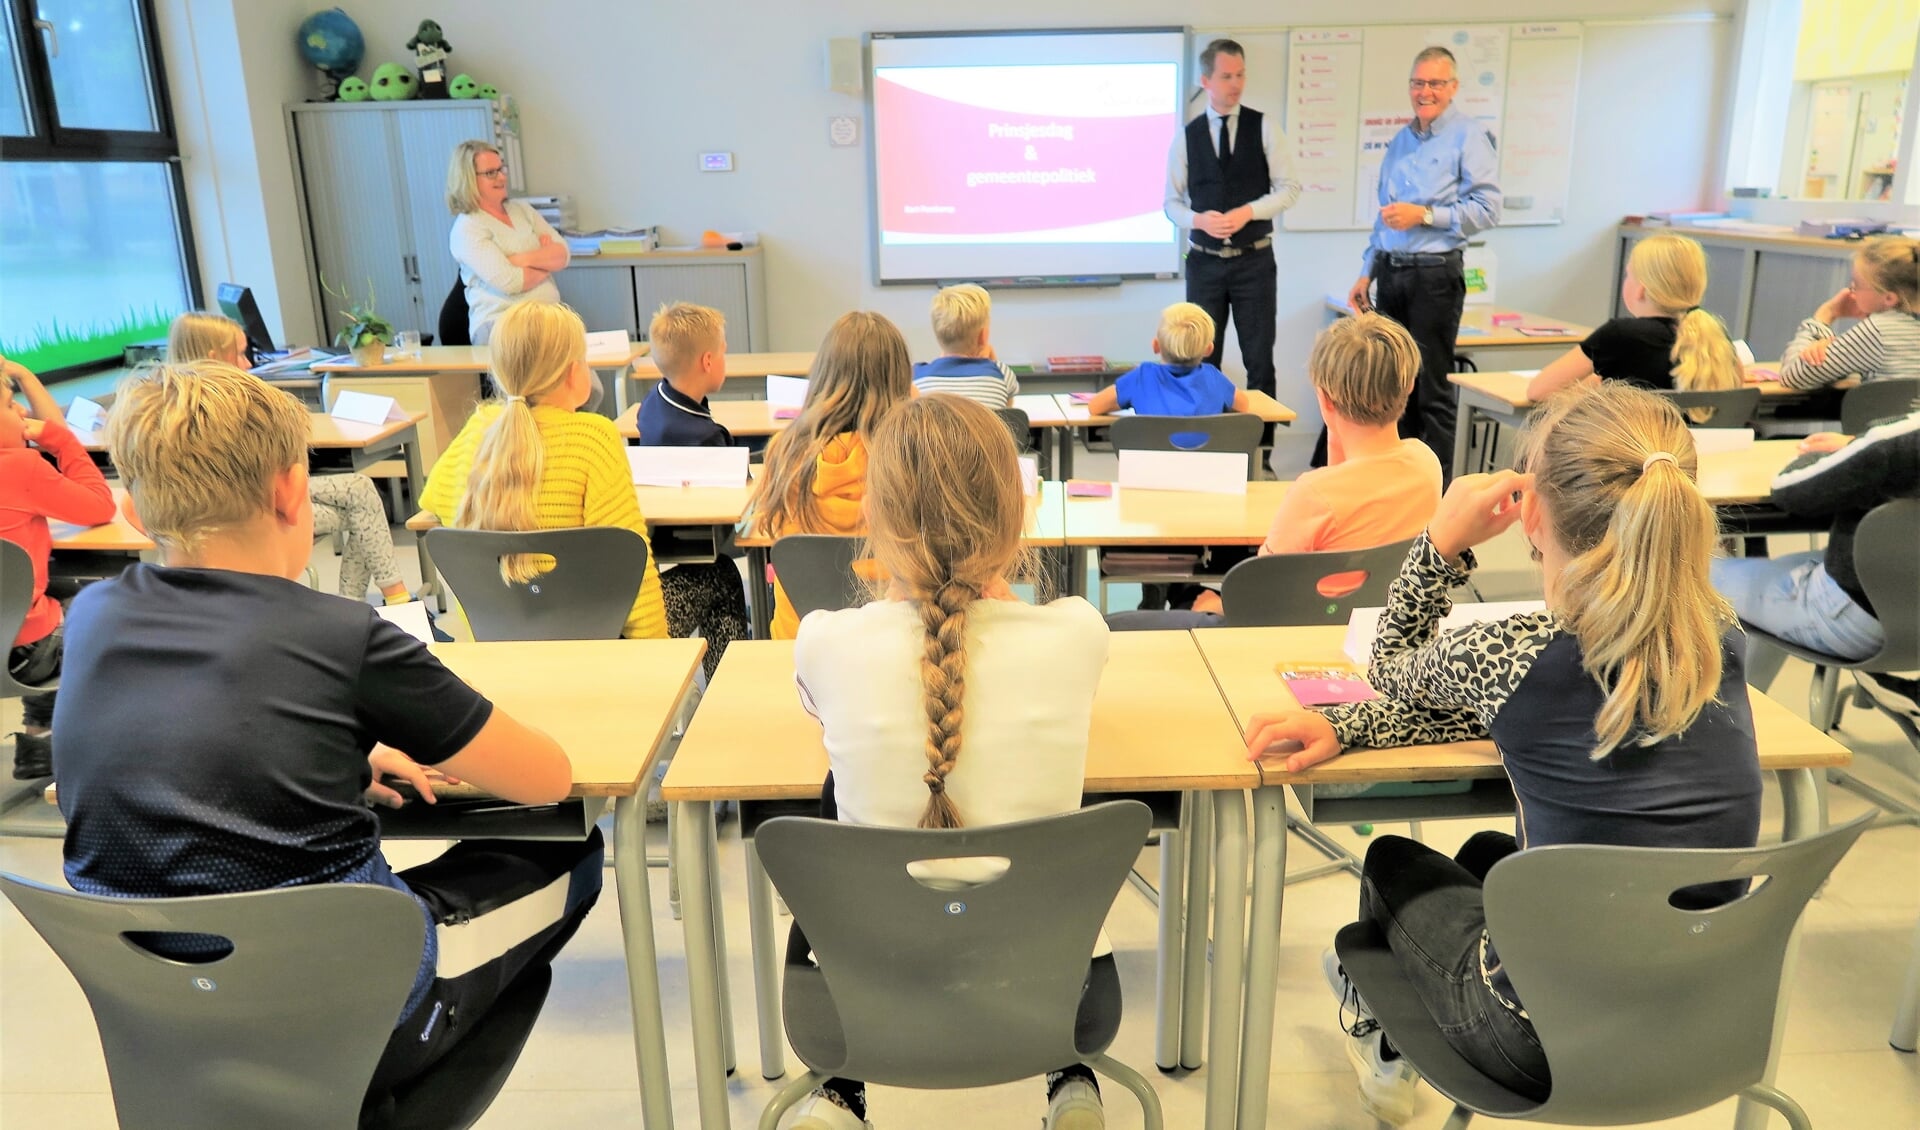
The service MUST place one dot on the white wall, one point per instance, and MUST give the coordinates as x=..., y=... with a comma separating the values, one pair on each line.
x=617, y=99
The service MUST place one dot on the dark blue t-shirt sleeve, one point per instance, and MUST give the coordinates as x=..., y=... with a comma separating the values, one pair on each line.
x=409, y=700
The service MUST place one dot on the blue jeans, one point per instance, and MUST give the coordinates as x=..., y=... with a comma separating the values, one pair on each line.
x=1793, y=597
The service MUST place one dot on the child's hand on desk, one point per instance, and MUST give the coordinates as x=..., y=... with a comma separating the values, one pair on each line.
x=1816, y=351
x=1824, y=442
x=1307, y=730
x=389, y=762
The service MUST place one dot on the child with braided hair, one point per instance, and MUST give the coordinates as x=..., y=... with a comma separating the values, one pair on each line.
x=994, y=695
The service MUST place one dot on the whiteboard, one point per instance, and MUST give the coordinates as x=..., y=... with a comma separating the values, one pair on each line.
x=1345, y=97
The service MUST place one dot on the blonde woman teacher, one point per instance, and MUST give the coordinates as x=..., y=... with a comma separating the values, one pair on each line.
x=507, y=253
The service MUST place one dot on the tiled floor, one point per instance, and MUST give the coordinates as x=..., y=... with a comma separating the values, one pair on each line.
x=578, y=1069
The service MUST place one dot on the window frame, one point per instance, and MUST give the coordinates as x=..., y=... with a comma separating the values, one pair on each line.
x=49, y=142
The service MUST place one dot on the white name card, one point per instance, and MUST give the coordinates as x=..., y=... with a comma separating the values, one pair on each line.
x=410, y=618
x=85, y=415
x=1029, y=474
x=1744, y=352
x=1364, y=623
x=688, y=466
x=365, y=408
x=1707, y=441
x=1211, y=472
x=786, y=392
x=609, y=347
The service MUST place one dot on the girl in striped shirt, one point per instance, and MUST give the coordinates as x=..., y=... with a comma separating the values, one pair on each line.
x=1884, y=293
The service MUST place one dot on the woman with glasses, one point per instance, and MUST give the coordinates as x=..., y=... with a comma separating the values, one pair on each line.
x=507, y=253
x=1884, y=294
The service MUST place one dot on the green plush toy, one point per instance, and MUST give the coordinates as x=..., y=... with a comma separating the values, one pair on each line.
x=353, y=88
x=393, y=83
x=463, y=86
x=489, y=92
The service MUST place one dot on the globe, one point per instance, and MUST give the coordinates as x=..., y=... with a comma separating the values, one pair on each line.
x=331, y=41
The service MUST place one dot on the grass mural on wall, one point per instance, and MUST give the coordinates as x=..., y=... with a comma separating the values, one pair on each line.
x=56, y=345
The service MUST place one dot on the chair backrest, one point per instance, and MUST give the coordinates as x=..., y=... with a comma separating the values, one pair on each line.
x=1877, y=400
x=1228, y=432
x=1020, y=425
x=942, y=988
x=1889, y=571
x=597, y=573
x=1646, y=1011
x=283, y=1031
x=16, y=597
x=1728, y=407
x=1284, y=590
x=816, y=571
x=453, y=314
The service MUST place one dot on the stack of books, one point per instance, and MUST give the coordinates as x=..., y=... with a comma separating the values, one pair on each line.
x=1075, y=363
x=612, y=241
x=556, y=210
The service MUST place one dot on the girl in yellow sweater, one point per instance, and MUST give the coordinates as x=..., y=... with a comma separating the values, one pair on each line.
x=816, y=476
x=531, y=462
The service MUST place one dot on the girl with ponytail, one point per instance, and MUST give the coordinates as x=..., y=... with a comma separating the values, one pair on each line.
x=948, y=701
x=530, y=461
x=1669, y=342
x=1619, y=712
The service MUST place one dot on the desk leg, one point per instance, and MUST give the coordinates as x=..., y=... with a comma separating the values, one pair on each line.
x=721, y=977
x=766, y=966
x=1800, y=802
x=695, y=828
x=1906, y=1016
x=759, y=595
x=643, y=966
x=1193, y=951
x=1229, y=952
x=1168, y=962
x=1263, y=952
x=1064, y=445
x=1077, y=570
x=1462, y=438
x=417, y=485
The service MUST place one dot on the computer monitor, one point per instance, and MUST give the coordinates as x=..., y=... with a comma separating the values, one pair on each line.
x=237, y=302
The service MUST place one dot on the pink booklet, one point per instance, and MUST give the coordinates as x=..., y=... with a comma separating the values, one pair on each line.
x=1320, y=686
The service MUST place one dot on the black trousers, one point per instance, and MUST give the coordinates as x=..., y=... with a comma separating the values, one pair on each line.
x=1244, y=289
x=1427, y=300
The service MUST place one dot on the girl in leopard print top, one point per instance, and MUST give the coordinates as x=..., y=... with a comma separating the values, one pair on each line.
x=1619, y=712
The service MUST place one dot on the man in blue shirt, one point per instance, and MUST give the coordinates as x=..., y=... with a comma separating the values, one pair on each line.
x=1436, y=190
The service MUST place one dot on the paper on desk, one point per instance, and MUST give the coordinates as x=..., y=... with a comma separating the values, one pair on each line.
x=366, y=408
x=85, y=415
x=1527, y=373
x=688, y=466
x=1029, y=474
x=1211, y=472
x=1364, y=624
x=410, y=618
x=1706, y=441
x=1743, y=352
x=610, y=345
x=786, y=395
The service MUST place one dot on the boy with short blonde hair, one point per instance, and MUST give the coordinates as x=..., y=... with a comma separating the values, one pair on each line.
x=229, y=725
x=690, y=347
x=962, y=317
x=1182, y=383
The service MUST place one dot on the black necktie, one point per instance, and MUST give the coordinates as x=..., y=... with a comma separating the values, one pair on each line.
x=1226, y=150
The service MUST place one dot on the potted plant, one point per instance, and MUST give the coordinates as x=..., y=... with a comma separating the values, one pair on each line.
x=366, y=333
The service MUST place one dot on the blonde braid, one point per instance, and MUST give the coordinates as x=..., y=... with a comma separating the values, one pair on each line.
x=943, y=674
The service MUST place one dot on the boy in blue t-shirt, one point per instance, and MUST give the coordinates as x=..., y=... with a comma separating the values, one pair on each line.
x=1183, y=383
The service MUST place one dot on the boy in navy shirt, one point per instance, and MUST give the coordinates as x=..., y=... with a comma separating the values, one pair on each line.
x=224, y=727
x=1182, y=383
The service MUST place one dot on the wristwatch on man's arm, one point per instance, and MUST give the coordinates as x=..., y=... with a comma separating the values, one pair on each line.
x=1426, y=218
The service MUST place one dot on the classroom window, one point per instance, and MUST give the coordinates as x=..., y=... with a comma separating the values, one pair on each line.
x=95, y=250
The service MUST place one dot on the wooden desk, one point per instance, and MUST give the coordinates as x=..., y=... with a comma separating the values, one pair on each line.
x=1243, y=660
x=1158, y=725
x=1743, y=477
x=611, y=705
x=1133, y=517
x=116, y=536
x=1477, y=331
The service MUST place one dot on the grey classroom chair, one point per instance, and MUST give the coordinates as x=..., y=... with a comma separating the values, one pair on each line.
x=16, y=597
x=1873, y=401
x=816, y=571
x=1889, y=571
x=1722, y=408
x=285, y=1029
x=1646, y=1011
x=933, y=987
x=1020, y=425
x=586, y=596
x=1283, y=590
x=1228, y=432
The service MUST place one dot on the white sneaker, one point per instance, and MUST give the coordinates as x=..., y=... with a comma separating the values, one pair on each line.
x=1348, y=996
x=1386, y=1086
x=822, y=1113
x=1075, y=1105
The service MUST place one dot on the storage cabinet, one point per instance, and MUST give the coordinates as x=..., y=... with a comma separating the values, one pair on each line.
x=622, y=291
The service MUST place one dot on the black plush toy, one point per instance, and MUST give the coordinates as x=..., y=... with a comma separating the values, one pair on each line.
x=430, y=51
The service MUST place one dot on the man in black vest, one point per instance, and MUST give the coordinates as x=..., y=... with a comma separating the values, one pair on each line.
x=1228, y=175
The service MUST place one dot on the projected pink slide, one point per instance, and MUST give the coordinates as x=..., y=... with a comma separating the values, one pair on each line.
x=969, y=154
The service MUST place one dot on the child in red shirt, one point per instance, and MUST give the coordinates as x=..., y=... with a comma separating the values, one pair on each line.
x=32, y=491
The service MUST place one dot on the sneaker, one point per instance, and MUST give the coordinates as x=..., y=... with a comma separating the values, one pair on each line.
x=822, y=1113
x=1349, y=997
x=1075, y=1105
x=32, y=756
x=1899, y=695
x=1386, y=1085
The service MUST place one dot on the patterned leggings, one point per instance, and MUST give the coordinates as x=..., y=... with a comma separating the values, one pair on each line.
x=349, y=502
x=709, y=598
